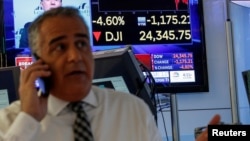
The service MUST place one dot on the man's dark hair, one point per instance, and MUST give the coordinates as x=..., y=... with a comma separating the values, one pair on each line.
x=34, y=28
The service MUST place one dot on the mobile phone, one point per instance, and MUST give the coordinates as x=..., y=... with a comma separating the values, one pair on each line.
x=43, y=82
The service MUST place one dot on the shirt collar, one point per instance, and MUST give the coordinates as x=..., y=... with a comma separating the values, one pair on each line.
x=56, y=105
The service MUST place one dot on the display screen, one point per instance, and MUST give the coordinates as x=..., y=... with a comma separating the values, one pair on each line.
x=119, y=69
x=116, y=82
x=9, y=82
x=166, y=36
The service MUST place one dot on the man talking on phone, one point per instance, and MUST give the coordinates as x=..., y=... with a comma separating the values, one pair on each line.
x=74, y=110
x=45, y=5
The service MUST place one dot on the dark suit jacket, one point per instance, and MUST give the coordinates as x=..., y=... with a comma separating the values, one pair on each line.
x=24, y=42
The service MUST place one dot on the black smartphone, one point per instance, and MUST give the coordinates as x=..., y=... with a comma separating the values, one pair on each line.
x=43, y=83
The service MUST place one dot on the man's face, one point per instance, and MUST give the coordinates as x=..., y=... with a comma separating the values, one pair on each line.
x=48, y=4
x=65, y=47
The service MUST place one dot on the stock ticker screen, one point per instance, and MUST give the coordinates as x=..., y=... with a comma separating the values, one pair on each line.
x=166, y=36
x=119, y=22
x=148, y=24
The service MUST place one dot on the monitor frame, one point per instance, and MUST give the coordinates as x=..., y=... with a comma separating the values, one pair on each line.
x=11, y=84
x=122, y=62
x=246, y=81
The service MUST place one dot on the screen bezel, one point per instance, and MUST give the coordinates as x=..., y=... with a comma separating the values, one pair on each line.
x=246, y=81
x=122, y=62
x=11, y=84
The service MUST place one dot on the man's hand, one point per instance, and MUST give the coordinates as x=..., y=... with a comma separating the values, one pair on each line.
x=31, y=103
x=204, y=135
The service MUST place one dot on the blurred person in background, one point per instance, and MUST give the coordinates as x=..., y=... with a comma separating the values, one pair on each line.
x=45, y=5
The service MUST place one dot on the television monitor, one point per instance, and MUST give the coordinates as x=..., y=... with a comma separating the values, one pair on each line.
x=119, y=69
x=246, y=79
x=167, y=36
x=115, y=82
x=9, y=82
